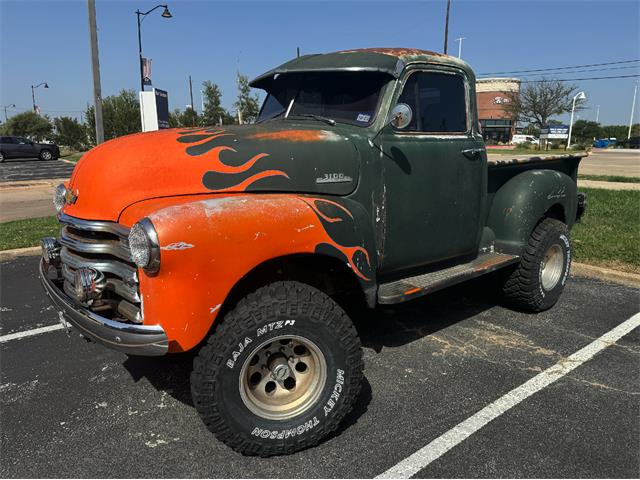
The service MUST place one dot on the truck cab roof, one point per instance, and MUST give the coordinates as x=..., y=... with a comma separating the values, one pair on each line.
x=387, y=60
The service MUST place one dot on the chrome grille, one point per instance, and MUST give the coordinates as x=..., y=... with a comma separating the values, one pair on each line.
x=105, y=247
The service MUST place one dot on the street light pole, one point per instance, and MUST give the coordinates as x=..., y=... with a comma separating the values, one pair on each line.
x=165, y=14
x=95, y=70
x=11, y=105
x=633, y=107
x=460, y=46
x=33, y=93
x=446, y=27
x=578, y=96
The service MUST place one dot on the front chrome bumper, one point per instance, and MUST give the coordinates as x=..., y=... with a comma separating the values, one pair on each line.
x=146, y=340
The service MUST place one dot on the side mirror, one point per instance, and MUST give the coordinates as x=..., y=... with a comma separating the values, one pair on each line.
x=401, y=116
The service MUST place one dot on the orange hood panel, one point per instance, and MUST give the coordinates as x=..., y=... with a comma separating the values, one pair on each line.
x=130, y=169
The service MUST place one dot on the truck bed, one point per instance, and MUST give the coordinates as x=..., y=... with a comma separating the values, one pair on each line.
x=497, y=160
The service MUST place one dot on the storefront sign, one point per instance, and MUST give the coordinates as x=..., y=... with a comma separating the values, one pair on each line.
x=554, y=132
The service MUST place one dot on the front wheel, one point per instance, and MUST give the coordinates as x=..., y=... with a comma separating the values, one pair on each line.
x=280, y=372
x=46, y=155
x=537, y=282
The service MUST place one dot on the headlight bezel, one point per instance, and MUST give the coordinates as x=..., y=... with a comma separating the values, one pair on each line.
x=144, y=232
x=59, y=197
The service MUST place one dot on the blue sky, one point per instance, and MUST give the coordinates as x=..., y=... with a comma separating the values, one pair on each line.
x=48, y=41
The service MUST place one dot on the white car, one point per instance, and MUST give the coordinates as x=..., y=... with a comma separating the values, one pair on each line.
x=523, y=139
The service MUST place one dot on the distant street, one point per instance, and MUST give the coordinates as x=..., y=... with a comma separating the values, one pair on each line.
x=612, y=162
x=20, y=169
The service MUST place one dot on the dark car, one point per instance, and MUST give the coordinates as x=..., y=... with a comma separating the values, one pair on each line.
x=20, y=147
x=633, y=142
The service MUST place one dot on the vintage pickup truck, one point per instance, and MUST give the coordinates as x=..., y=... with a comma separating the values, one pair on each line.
x=364, y=181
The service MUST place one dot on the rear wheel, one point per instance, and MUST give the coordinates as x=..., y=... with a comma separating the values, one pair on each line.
x=1, y=157
x=538, y=281
x=280, y=372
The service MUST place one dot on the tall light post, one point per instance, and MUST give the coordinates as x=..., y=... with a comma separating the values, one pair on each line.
x=11, y=105
x=633, y=108
x=460, y=46
x=165, y=14
x=446, y=27
x=33, y=94
x=578, y=96
x=598, y=114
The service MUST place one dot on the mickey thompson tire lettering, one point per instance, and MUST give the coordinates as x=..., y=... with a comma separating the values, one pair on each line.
x=276, y=310
x=523, y=287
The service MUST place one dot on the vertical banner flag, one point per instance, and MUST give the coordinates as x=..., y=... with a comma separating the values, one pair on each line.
x=146, y=71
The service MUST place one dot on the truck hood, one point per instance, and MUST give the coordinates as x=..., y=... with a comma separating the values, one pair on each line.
x=278, y=156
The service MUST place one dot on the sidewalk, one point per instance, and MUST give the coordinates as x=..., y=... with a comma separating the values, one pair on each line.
x=608, y=185
x=20, y=200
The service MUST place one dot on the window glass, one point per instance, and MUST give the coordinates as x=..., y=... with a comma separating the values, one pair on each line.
x=22, y=140
x=348, y=97
x=8, y=140
x=438, y=101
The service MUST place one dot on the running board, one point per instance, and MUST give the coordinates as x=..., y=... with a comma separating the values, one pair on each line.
x=414, y=287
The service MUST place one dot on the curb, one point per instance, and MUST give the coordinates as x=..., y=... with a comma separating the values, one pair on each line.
x=577, y=269
x=602, y=273
x=18, y=252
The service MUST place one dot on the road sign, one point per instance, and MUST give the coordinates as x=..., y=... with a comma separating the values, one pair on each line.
x=552, y=132
x=154, y=110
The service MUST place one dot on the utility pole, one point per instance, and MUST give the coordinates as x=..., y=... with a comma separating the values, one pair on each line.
x=191, y=93
x=460, y=46
x=11, y=105
x=202, y=100
x=633, y=107
x=95, y=67
x=446, y=27
x=298, y=50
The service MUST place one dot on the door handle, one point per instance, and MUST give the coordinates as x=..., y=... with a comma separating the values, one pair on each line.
x=472, y=153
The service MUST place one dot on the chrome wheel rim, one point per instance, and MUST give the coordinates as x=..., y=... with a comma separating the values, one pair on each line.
x=551, y=267
x=46, y=155
x=283, y=377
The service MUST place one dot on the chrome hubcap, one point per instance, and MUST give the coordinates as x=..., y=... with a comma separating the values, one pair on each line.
x=283, y=377
x=551, y=267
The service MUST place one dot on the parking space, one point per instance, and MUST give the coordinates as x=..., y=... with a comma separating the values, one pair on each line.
x=29, y=169
x=70, y=408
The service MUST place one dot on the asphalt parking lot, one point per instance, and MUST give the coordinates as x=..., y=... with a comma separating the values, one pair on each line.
x=26, y=169
x=70, y=408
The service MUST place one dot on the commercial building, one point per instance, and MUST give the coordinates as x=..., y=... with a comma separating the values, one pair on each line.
x=493, y=94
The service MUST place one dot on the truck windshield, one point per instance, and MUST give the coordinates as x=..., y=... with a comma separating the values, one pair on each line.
x=346, y=97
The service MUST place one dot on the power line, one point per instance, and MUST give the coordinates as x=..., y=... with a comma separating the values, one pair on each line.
x=563, y=68
x=579, y=79
x=582, y=71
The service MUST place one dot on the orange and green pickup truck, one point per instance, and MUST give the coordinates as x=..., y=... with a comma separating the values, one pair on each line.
x=364, y=181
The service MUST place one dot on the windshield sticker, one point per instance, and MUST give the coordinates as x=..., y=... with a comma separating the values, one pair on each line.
x=363, y=117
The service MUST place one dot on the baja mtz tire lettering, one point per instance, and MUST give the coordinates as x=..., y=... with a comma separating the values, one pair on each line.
x=269, y=327
x=236, y=353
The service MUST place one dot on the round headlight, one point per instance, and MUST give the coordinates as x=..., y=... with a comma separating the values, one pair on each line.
x=59, y=197
x=144, y=246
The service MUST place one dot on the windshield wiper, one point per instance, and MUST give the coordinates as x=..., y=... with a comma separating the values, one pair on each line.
x=328, y=120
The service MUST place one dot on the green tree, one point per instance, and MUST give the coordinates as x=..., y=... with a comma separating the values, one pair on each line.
x=214, y=112
x=246, y=103
x=29, y=124
x=174, y=118
x=189, y=118
x=120, y=116
x=620, y=132
x=537, y=102
x=586, y=131
x=71, y=133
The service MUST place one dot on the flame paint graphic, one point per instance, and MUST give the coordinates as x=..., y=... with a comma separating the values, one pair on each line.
x=221, y=175
x=356, y=256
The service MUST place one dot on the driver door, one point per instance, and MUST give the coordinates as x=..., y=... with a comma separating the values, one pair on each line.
x=435, y=173
x=24, y=148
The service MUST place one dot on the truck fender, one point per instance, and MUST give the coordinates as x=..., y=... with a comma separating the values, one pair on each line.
x=207, y=246
x=524, y=200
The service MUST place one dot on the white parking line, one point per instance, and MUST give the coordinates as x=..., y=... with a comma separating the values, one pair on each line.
x=445, y=442
x=30, y=333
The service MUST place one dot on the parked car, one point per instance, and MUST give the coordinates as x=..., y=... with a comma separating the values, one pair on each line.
x=604, y=143
x=633, y=142
x=523, y=139
x=20, y=147
x=365, y=181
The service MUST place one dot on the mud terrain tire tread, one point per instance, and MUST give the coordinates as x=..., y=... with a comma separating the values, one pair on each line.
x=522, y=288
x=254, y=310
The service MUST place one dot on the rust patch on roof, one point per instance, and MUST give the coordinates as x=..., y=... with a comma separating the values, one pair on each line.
x=296, y=135
x=395, y=52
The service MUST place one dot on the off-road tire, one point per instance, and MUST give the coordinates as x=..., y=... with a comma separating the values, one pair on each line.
x=46, y=153
x=1, y=157
x=523, y=287
x=215, y=380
